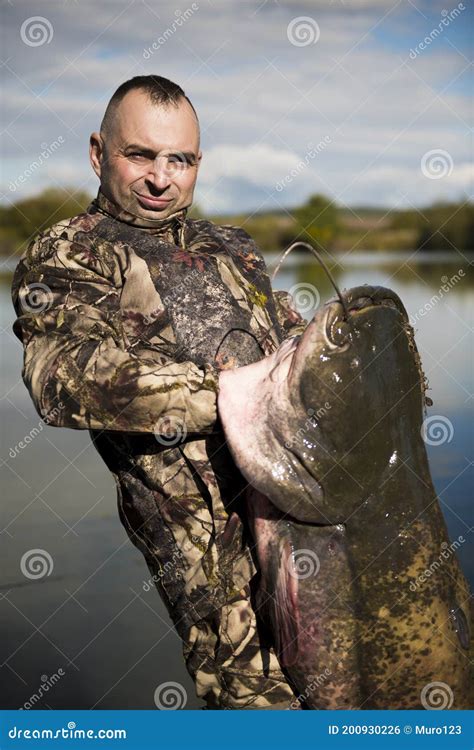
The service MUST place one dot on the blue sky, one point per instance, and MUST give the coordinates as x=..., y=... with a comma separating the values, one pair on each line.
x=293, y=97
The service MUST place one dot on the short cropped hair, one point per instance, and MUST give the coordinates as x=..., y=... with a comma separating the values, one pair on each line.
x=160, y=90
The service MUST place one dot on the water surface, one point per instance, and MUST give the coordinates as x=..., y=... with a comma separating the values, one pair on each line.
x=95, y=617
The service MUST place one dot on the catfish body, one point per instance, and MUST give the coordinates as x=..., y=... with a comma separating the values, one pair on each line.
x=346, y=518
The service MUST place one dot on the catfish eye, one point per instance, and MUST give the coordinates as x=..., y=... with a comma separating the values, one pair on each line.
x=339, y=332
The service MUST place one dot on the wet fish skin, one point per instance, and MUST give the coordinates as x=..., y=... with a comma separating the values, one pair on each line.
x=309, y=614
x=350, y=483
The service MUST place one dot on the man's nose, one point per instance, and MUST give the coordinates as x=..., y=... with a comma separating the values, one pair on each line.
x=160, y=174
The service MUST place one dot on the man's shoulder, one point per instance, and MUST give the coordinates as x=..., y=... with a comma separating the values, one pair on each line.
x=232, y=234
x=82, y=224
x=78, y=229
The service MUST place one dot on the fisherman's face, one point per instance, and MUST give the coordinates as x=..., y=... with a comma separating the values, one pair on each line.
x=148, y=162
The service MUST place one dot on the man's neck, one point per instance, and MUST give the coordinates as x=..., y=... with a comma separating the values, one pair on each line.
x=170, y=225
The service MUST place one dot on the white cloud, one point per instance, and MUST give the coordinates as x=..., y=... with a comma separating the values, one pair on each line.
x=260, y=100
x=260, y=165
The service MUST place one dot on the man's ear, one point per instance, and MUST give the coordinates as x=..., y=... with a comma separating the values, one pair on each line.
x=96, y=153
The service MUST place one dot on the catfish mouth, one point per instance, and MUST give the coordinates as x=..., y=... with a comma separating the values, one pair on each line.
x=338, y=325
x=341, y=319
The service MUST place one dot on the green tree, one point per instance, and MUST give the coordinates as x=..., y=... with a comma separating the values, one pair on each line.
x=316, y=222
x=27, y=217
x=448, y=226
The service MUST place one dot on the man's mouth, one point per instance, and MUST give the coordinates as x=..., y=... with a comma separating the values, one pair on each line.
x=153, y=202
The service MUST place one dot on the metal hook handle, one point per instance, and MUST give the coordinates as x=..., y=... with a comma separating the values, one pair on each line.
x=323, y=264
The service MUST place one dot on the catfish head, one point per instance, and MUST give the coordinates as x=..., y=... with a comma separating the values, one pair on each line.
x=355, y=396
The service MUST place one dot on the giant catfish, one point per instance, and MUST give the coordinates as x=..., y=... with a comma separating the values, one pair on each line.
x=361, y=588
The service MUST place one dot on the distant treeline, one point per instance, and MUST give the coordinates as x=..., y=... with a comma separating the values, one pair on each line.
x=442, y=226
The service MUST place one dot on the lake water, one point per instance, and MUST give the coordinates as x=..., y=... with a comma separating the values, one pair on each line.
x=91, y=634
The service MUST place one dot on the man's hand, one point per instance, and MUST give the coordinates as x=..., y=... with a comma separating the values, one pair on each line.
x=244, y=391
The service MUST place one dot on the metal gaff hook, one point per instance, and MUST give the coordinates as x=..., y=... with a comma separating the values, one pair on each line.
x=322, y=263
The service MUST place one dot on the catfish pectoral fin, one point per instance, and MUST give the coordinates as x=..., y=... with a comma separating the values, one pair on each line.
x=278, y=595
x=284, y=606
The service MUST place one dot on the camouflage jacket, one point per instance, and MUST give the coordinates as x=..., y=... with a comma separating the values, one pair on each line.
x=125, y=325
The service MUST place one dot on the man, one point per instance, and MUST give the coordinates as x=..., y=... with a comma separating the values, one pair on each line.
x=129, y=315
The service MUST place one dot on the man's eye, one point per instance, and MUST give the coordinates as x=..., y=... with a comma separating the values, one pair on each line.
x=178, y=162
x=137, y=156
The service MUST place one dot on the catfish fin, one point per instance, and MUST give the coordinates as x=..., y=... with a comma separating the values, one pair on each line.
x=284, y=610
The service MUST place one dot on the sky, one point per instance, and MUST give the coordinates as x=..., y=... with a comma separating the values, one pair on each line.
x=365, y=101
